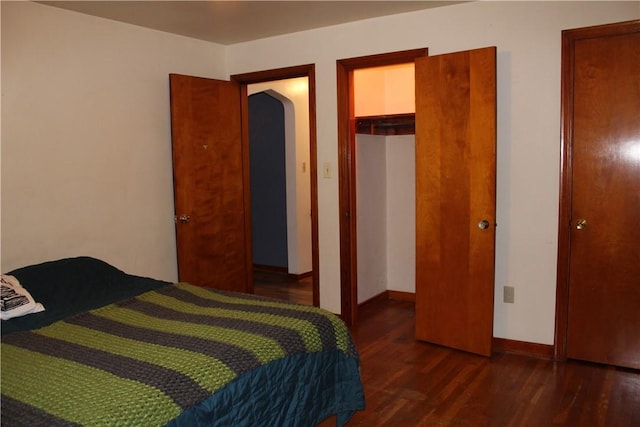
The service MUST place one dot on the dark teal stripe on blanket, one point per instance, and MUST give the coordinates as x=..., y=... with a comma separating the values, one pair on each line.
x=237, y=359
x=179, y=387
x=300, y=390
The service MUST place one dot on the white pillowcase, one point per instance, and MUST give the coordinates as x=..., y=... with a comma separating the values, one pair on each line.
x=15, y=300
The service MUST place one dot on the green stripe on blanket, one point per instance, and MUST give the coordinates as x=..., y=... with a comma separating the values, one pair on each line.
x=341, y=334
x=119, y=398
x=207, y=371
x=264, y=348
x=309, y=334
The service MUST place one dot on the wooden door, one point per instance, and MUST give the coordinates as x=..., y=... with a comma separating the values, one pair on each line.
x=603, y=95
x=208, y=167
x=455, y=199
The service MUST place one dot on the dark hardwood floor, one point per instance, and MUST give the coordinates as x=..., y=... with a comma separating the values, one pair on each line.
x=275, y=284
x=410, y=383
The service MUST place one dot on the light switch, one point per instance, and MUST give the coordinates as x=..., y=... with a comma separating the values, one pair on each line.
x=509, y=294
x=326, y=170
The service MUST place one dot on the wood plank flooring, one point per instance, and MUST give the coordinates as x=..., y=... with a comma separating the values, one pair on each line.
x=410, y=383
x=278, y=285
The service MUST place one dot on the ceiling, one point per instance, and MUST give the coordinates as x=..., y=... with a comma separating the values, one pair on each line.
x=229, y=22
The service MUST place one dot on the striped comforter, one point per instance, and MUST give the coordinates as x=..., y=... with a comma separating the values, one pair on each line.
x=146, y=360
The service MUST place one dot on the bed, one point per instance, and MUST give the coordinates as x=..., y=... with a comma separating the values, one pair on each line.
x=112, y=348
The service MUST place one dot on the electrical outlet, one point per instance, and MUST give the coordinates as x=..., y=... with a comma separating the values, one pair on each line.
x=508, y=295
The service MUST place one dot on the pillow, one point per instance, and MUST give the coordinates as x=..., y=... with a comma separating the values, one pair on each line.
x=16, y=301
x=72, y=285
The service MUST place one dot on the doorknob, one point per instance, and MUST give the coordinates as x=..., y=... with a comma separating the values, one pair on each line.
x=483, y=225
x=581, y=224
x=183, y=218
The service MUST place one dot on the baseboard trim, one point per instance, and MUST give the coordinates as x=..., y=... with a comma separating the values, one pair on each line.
x=383, y=296
x=300, y=276
x=283, y=271
x=402, y=296
x=389, y=295
x=523, y=348
x=270, y=268
x=500, y=345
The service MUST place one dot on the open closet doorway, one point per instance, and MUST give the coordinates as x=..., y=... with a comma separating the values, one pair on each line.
x=292, y=91
x=384, y=108
x=355, y=228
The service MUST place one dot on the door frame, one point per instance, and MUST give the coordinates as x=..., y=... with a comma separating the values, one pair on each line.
x=347, y=171
x=569, y=38
x=245, y=79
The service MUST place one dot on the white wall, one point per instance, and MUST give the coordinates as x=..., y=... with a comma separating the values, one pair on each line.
x=294, y=94
x=401, y=212
x=86, y=146
x=384, y=90
x=386, y=219
x=528, y=40
x=371, y=215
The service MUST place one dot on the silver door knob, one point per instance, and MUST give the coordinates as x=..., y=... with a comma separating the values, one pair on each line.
x=581, y=224
x=483, y=225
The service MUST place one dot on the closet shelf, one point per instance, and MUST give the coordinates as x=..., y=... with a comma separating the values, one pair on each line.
x=394, y=124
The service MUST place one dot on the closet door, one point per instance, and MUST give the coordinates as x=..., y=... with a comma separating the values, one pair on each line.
x=210, y=208
x=602, y=105
x=455, y=199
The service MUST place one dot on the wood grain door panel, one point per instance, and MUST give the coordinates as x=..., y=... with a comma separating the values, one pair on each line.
x=455, y=191
x=209, y=182
x=604, y=262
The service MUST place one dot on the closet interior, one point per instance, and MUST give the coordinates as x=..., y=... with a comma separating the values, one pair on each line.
x=384, y=104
